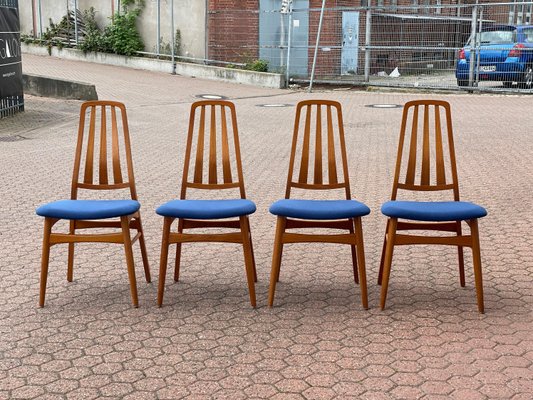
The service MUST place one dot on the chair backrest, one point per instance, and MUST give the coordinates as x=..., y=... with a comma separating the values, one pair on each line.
x=213, y=136
x=322, y=144
x=103, y=136
x=421, y=140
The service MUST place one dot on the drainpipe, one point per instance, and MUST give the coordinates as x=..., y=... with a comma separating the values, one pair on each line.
x=34, y=18
x=39, y=11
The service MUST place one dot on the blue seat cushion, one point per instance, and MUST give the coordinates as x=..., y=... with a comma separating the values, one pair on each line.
x=433, y=211
x=206, y=209
x=319, y=209
x=88, y=209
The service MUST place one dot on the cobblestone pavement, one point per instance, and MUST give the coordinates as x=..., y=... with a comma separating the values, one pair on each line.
x=317, y=342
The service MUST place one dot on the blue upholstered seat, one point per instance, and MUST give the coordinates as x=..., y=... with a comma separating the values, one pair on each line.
x=319, y=209
x=433, y=211
x=206, y=209
x=88, y=209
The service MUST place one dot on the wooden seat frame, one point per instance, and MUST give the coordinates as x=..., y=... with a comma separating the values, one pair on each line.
x=353, y=225
x=127, y=222
x=242, y=223
x=392, y=238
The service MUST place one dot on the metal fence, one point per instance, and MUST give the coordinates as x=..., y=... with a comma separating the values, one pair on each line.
x=401, y=46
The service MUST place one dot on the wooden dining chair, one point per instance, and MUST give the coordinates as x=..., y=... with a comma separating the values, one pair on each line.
x=426, y=163
x=323, y=146
x=210, y=136
x=103, y=141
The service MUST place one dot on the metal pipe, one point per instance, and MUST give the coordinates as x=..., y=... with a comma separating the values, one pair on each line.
x=34, y=18
x=316, y=45
x=473, y=29
x=158, y=44
x=287, y=70
x=478, y=45
x=40, y=13
x=173, y=41
x=367, y=44
x=76, y=21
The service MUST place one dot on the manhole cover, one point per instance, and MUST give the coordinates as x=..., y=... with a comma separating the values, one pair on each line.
x=384, y=105
x=211, y=96
x=274, y=105
x=12, y=138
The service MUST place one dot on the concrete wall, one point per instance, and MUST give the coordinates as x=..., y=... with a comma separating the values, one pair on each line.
x=189, y=18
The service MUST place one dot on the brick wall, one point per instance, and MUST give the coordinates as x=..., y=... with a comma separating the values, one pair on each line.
x=233, y=30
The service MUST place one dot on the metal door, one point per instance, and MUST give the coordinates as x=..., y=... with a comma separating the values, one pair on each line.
x=350, y=42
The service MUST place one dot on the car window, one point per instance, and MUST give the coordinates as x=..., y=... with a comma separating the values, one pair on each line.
x=528, y=35
x=497, y=37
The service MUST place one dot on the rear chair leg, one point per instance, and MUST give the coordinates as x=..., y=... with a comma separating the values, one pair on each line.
x=144, y=253
x=178, y=253
x=354, y=254
x=461, y=258
x=70, y=265
x=380, y=274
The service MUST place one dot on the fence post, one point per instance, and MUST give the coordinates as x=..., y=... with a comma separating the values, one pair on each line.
x=40, y=19
x=158, y=30
x=287, y=72
x=173, y=36
x=367, y=44
x=316, y=45
x=76, y=21
x=473, y=42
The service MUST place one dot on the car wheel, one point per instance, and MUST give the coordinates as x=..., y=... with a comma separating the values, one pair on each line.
x=527, y=78
x=507, y=84
x=462, y=83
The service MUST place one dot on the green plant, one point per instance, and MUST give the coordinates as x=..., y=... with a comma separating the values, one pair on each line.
x=257, y=65
x=122, y=35
x=93, y=38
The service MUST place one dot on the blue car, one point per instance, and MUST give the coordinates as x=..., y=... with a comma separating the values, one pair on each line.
x=505, y=55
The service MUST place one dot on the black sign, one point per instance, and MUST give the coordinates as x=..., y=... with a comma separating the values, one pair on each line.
x=10, y=57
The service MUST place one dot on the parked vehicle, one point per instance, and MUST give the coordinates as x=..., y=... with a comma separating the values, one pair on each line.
x=505, y=55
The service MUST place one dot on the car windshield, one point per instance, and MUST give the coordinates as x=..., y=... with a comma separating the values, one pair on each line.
x=497, y=37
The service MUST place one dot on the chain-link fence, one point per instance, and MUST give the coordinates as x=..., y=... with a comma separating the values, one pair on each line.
x=477, y=47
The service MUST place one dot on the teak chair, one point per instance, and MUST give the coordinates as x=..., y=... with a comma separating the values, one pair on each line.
x=425, y=117
x=87, y=214
x=345, y=214
x=221, y=172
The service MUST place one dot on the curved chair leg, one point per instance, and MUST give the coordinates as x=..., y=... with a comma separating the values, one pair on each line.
x=178, y=253
x=276, y=258
x=391, y=232
x=361, y=260
x=252, y=247
x=354, y=255
x=45, y=258
x=248, y=258
x=380, y=274
x=460, y=253
x=144, y=253
x=70, y=265
x=164, y=259
x=476, y=258
x=125, y=225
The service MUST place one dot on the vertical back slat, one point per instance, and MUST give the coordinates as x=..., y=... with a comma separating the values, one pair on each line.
x=318, y=145
x=411, y=163
x=115, y=149
x=425, y=174
x=304, y=164
x=332, y=162
x=102, y=170
x=88, y=176
x=213, y=148
x=226, y=166
x=199, y=163
x=440, y=168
